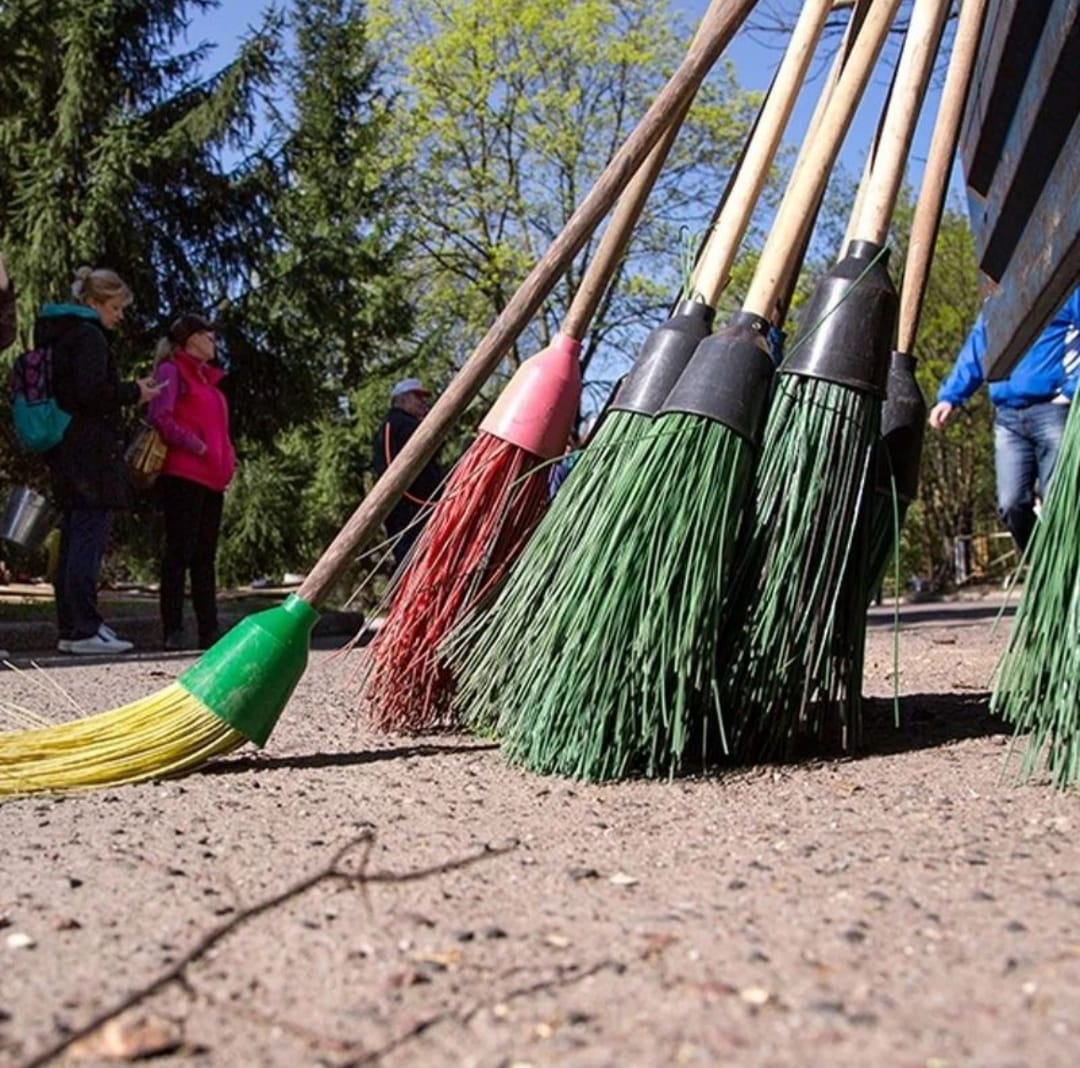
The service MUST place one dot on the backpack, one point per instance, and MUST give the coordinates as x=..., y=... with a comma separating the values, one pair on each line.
x=40, y=422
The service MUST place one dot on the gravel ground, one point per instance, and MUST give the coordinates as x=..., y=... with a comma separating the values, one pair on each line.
x=911, y=907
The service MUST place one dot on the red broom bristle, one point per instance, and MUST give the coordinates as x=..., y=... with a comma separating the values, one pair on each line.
x=496, y=495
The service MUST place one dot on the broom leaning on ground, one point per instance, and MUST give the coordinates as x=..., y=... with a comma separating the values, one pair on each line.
x=1037, y=686
x=790, y=673
x=237, y=690
x=903, y=416
x=494, y=498
x=618, y=657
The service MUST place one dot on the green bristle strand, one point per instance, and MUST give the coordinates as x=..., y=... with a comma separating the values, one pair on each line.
x=1037, y=688
x=614, y=671
x=792, y=668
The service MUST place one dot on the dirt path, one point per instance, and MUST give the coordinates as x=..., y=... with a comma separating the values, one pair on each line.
x=905, y=908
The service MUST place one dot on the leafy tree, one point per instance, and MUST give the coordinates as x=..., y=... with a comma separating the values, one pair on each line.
x=508, y=114
x=956, y=492
x=325, y=319
x=112, y=144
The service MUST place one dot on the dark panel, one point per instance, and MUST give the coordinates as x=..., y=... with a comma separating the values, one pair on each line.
x=1040, y=132
x=1021, y=150
x=1013, y=39
x=1045, y=270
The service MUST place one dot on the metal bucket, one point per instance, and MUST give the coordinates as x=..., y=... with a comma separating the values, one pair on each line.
x=28, y=518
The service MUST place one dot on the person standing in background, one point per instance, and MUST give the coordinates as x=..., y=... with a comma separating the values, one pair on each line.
x=1031, y=407
x=192, y=416
x=408, y=406
x=89, y=475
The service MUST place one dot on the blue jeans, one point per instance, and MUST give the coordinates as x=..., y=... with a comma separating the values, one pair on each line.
x=83, y=534
x=1026, y=444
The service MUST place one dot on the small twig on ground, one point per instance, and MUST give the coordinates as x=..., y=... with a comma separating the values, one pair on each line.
x=560, y=982
x=177, y=972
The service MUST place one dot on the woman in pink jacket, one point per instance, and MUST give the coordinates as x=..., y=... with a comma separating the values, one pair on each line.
x=192, y=415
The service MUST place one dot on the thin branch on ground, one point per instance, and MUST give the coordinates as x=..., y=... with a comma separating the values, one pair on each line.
x=559, y=982
x=335, y=870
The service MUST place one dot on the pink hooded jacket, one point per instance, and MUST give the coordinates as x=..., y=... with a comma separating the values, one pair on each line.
x=192, y=415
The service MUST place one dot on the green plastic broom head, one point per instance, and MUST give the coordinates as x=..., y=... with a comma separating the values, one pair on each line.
x=663, y=356
x=247, y=677
x=729, y=378
x=848, y=327
x=903, y=423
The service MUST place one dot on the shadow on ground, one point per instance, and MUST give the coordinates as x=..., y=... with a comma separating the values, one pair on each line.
x=926, y=721
x=338, y=760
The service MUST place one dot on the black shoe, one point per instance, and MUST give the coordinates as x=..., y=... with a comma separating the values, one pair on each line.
x=174, y=642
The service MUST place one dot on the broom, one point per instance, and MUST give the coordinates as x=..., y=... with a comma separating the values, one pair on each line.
x=494, y=498
x=1037, y=683
x=903, y=415
x=237, y=690
x=617, y=656
x=816, y=467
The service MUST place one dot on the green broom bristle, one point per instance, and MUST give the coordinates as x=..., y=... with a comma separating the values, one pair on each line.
x=614, y=667
x=791, y=669
x=1037, y=688
x=483, y=646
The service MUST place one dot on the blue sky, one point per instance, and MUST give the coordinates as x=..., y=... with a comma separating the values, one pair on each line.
x=754, y=51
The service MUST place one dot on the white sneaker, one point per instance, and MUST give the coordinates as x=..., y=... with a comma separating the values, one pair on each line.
x=98, y=644
x=106, y=632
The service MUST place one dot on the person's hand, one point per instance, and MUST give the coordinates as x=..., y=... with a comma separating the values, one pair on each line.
x=149, y=388
x=940, y=414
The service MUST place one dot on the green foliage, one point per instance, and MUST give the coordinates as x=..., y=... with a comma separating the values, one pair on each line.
x=956, y=492
x=508, y=114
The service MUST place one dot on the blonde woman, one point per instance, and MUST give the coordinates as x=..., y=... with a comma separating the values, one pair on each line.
x=89, y=476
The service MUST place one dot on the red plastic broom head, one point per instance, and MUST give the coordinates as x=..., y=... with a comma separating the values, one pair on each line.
x=538, y=408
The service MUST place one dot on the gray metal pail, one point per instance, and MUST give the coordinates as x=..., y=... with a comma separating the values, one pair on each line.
x=28, y=518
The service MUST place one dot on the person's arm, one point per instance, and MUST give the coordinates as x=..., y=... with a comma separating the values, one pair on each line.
x=964, y=379
x=162, y=413
x=1072, y=345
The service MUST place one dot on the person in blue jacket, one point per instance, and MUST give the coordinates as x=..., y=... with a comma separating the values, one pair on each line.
x=1030, y=410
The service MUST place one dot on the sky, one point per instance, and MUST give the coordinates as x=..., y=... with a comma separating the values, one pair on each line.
x=755, y=51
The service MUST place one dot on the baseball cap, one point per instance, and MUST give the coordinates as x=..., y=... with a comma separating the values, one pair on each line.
x=408, y=385
x=189, y=325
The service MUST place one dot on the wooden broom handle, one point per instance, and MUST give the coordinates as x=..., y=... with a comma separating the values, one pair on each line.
x=812, y=169
x=928, y=207
x=714, y=267
x=720, y=22
x=905, y=101
x=786, y=284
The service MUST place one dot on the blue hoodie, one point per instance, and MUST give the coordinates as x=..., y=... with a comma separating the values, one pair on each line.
x=1047, y=371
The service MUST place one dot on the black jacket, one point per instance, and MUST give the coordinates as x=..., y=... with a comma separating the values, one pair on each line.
x=7, y=316
x=88, y=468
x=390, y=438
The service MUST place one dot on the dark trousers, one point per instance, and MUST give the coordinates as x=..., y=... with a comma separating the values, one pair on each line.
x=192, y=521
x=83, y=535
x=403, y=527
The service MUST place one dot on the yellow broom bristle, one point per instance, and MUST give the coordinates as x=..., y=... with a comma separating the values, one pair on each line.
x=154, y=737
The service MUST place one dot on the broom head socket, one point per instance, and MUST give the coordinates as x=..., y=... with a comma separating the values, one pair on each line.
x=729, y=378
x=663, y=357
x=539, y=406
x=848, y=327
